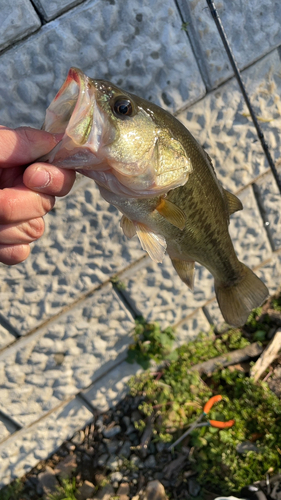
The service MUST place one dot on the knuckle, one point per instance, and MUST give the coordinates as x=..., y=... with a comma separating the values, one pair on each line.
x=35, y=228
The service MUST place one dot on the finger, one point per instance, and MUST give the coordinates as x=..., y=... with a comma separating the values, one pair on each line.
x=20, y=204
x=24, y=145
x=49, y=179
x=13, y=254
x=25, y=232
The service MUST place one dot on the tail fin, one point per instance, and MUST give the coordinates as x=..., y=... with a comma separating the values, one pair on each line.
x=237, y=301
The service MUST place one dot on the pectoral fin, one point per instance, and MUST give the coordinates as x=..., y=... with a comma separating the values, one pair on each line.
x=152, y=243
x=233, y=203
x=128, y=227
x=172, y=213
x=185, y=271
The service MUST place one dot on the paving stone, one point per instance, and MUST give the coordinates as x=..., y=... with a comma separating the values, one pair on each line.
x=6, y=428
x=270, y=273
x=17, y=20
x=137, y=58
x=230, y=139
x=263, y=83
x=82, y=246
x=253, y=29
x=112, y=388
x=98, y=344
x=189, y=328
x=156, y=292
x=6, y=337
x=270, y=200
x=20, y=452
x=53, y=8
x=248, y=232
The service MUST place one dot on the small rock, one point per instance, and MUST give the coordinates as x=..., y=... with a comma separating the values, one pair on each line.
x=65, y=467
x=130, y=429
x=105, y=493
x=160, y=446
x=136, y=415
x=116, y=476
x=125, y=450
x=112, y=446
x=126, y=421
x=150, y=462
x=155, y=491
x=78, y=438
x=103, y=459
x=193, y=487
x=48, y=481
x=135, y=460
x=114, y=463
x=123, y=491
x=99, y=424
x=112, y=431
x=85, y=491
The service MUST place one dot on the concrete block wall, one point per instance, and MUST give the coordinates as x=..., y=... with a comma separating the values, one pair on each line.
x=64, y=328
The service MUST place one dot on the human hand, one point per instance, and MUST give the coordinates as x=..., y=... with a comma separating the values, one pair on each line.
x=27, y=193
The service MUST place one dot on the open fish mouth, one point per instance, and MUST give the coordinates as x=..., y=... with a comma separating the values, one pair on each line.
x=75, y=114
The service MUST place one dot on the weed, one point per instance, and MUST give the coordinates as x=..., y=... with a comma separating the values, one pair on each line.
x=225, y=460
x=150, y=342
x=66, y=491
x=13, y=491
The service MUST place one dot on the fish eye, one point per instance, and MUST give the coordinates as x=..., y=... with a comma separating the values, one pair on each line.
x=122, y=107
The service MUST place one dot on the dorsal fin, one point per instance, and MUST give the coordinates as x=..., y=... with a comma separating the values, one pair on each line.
x=128, y=227
x=233, y=203
x=185, y=270
x=152, y=243
x=172, y=213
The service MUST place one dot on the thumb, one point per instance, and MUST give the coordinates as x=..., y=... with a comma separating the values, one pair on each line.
x=24, y=145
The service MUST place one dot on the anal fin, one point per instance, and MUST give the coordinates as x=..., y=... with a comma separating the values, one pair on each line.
x=152, y=243
x=128, y=227
x=233, y=203
x=172, y=213
x=185, y=270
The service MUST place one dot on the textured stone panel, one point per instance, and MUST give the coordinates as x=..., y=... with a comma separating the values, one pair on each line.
x=6, y=337
x=112, y=388
x=83, y=245
x=27, y=447
x=253, y=29
x=248, y=233
x=263, y=82
x=157, y=293
x=53, y=8
x=45, y=369
x=189, y=328
x=270, y=273
x=218, y=123
x=17, y=19
x=270, y=200
x=146, y=53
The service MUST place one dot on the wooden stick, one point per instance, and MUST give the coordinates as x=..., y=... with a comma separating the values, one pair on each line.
x=270, y=353
x=231, y=358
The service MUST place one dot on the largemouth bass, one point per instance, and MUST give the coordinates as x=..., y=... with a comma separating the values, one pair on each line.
x=150, y=167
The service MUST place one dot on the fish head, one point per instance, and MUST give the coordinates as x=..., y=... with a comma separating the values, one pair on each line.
x=118, y=139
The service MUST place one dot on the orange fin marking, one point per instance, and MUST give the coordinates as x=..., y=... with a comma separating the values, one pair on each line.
x=152, y=243
x=172, y=213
